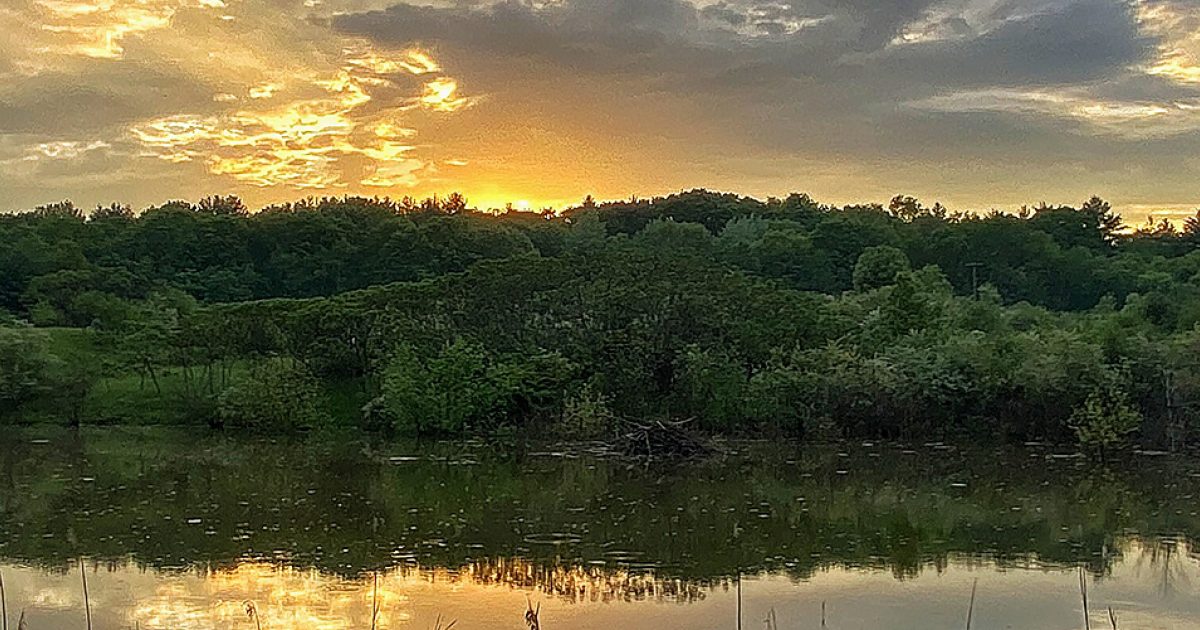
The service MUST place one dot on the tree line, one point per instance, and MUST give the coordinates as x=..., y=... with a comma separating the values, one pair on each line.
x=783, y=316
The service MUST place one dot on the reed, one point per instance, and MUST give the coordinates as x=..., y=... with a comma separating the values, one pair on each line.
x=1087, y=618
x=823, y=626
x=87, y=604
x=532, y=614
x=1112, y=618
x=252, y=612
x=375, y=603
x=3, y=604
x=770, y=621
x=971, y=608
x=438, y=624
x=739, y=600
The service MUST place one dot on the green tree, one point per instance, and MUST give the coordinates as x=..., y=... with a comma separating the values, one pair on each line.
x=878, y=266
x=27, y=368
x=585, y=234
x=440, y=393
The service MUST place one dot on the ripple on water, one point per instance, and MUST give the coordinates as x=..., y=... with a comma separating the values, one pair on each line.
x=553, y=538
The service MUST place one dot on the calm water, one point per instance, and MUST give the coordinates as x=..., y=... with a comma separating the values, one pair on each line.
x=181, y=531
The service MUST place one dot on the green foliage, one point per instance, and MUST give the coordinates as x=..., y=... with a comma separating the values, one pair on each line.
x=36, y=373
x=276, y=395
x=878, y=267
x=1105, y=420
x=585, y=233
x=461, y=387
x=714, y=388
x=667, y=234
x=27, y=367
x=437, y=394
x=586, y=415
x=736, y=312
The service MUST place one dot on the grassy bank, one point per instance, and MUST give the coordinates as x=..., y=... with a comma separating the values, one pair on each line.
x=173, y=396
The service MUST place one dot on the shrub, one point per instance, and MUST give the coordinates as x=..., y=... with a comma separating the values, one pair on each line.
x=27, y=367
x=1105, y=420
x=463, y=387
x=277, y=395
x=586, y=415
x=437, y=394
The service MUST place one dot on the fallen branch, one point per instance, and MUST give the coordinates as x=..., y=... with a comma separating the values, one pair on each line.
x=657, y=438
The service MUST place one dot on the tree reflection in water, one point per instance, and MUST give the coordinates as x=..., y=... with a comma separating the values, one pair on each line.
x=182, y=529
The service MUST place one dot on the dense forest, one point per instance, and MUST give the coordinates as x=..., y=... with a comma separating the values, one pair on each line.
x=785, y=317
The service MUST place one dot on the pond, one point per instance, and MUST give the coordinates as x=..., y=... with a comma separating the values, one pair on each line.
x=182, y=530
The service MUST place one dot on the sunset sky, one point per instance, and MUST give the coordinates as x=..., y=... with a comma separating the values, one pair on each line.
x=976, y=103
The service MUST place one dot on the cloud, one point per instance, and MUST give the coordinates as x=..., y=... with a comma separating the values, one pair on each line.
x=70, y=103
x=1077, y=42
x=553, y=99
x=1176, y=25
x=219, y=87
x=99, y=29
x=313, y=132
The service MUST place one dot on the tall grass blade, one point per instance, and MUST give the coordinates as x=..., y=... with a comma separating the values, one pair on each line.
x=87, y=604
x=971, y=608
x=375, y=604
x=3, y=604
x=1087, y=617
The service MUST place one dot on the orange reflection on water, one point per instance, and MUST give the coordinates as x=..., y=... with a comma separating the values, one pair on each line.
x=288, y=598
x=579, y=583
x=1149, y=586
x=282, y=598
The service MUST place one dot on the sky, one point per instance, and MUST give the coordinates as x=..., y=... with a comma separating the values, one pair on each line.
x=978, y=104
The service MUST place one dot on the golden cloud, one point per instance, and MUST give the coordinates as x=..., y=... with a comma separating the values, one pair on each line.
x=97, y=28
x=441, y=95
x=309, y=130
x=1177, y=26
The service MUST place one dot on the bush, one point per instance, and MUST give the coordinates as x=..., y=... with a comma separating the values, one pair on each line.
x=586, y=415
x=277, y=395
x=463, y=387
x=438, y=394
x=1105, y=420
x=27, y=368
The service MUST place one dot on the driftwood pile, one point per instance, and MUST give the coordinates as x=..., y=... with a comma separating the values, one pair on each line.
x=661, y=438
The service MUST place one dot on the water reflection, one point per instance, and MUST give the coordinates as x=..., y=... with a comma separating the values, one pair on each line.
x=184, y=531
x=493, y=594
